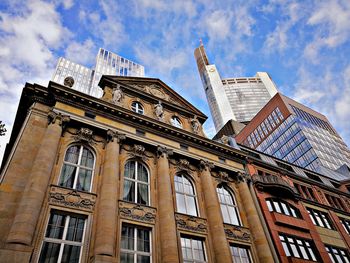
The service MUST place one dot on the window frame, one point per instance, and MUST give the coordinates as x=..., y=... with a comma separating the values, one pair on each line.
x=346, y=225
x=341, y=253
x=137, y=107
x=191, y=238
x=320, y=218
x=63, y=242
x=228, y=206
x=136, y=182
x=136, y=252
x=306, y=244
x=246, y=248
x=186, y=195
x=282, y=207
x=78, y=166
x=176, y=118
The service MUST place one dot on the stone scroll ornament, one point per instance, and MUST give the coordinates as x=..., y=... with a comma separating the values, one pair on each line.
x=62, y=120
x=137, y=151
x=163, y=151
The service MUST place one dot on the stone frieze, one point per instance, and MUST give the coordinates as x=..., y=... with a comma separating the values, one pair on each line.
x=71, y=198
x=191, y=223
x=141, y=213
x=238, y=233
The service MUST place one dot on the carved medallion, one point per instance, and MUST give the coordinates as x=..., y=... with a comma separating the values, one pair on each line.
x=137, y=151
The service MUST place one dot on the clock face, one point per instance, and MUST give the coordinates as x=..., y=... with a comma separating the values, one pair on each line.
x=212, y=69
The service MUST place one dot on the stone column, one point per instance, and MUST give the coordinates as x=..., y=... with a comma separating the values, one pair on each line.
x=24, y=224
x=255, y=226
x=167, y=224
x=216, y=225
x=106, y=226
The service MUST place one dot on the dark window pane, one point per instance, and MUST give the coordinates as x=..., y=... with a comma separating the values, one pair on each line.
x=75, y=229
x=55, y=226
x=71, y=254
x=129, y=191
x=84, y=180
x=49, y=253
x=126, y=258
x=72, y=154
x=67, y=176
x=87, y=158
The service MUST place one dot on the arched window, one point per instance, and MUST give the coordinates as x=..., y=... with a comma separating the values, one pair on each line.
x=137, y=107
x=185, y=196
x=175, y=121
x=136, y=183
x=77, y=168
x=228, y=206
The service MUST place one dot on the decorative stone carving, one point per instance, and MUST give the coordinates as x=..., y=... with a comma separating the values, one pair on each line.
x=158, y=111
x=161, y=151
x=144, y=214
x=84, y=135
x=137, y=151
x=68, y=82
x=238, y=233
x=156, y=91
x=243, y=177
x=205, y=165
x=111, y=135
x=224, y=139
x=54, y=116
x=222, y=176
x=275, y=184
x=117, y=95
x=183, y=165
x=71, y=198
x=191, y=223
x=195, y=125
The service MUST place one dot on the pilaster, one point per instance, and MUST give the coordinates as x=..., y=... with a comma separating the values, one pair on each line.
x=108, y=200
x=167, y=224
x=220, y=245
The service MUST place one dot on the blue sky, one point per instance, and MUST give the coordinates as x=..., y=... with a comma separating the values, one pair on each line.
x=303, y=45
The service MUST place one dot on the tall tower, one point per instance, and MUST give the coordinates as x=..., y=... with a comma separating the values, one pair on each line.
x=86, y=80
x=238, y=99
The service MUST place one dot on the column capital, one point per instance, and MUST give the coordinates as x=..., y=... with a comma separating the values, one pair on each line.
x=114, y=135
x=205, y=165
x=243, y=177
x=163, y=151
x=54, y=117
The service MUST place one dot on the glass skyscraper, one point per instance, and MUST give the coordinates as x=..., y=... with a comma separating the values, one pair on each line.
x=86, y=80
x=295, y=133
x=236, y=99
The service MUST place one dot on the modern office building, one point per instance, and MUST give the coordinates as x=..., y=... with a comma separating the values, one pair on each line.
x=236, y=99
x=297, y=134
x=86, y=80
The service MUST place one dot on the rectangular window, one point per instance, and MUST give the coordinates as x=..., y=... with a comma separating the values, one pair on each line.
x=319, y=218
x=282, y=207
x=64, y=238
x=135, y=245
x=346, y=225
x=338, y=255
x=240, y=254
x=192, y=250
x=298, y=248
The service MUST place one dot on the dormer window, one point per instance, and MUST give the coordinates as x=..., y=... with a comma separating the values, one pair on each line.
x=137, y=107
x=175, y=121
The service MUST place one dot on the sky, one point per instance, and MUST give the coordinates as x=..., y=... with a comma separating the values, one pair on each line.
x=303, y=45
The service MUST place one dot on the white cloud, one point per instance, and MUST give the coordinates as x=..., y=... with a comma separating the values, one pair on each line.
x=331, y=20
x=29, y=38
x=82, y=53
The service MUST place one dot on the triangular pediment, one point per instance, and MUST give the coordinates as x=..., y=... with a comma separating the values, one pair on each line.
x=155, y=88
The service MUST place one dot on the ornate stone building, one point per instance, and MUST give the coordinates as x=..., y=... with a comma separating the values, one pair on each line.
x=129, y=177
